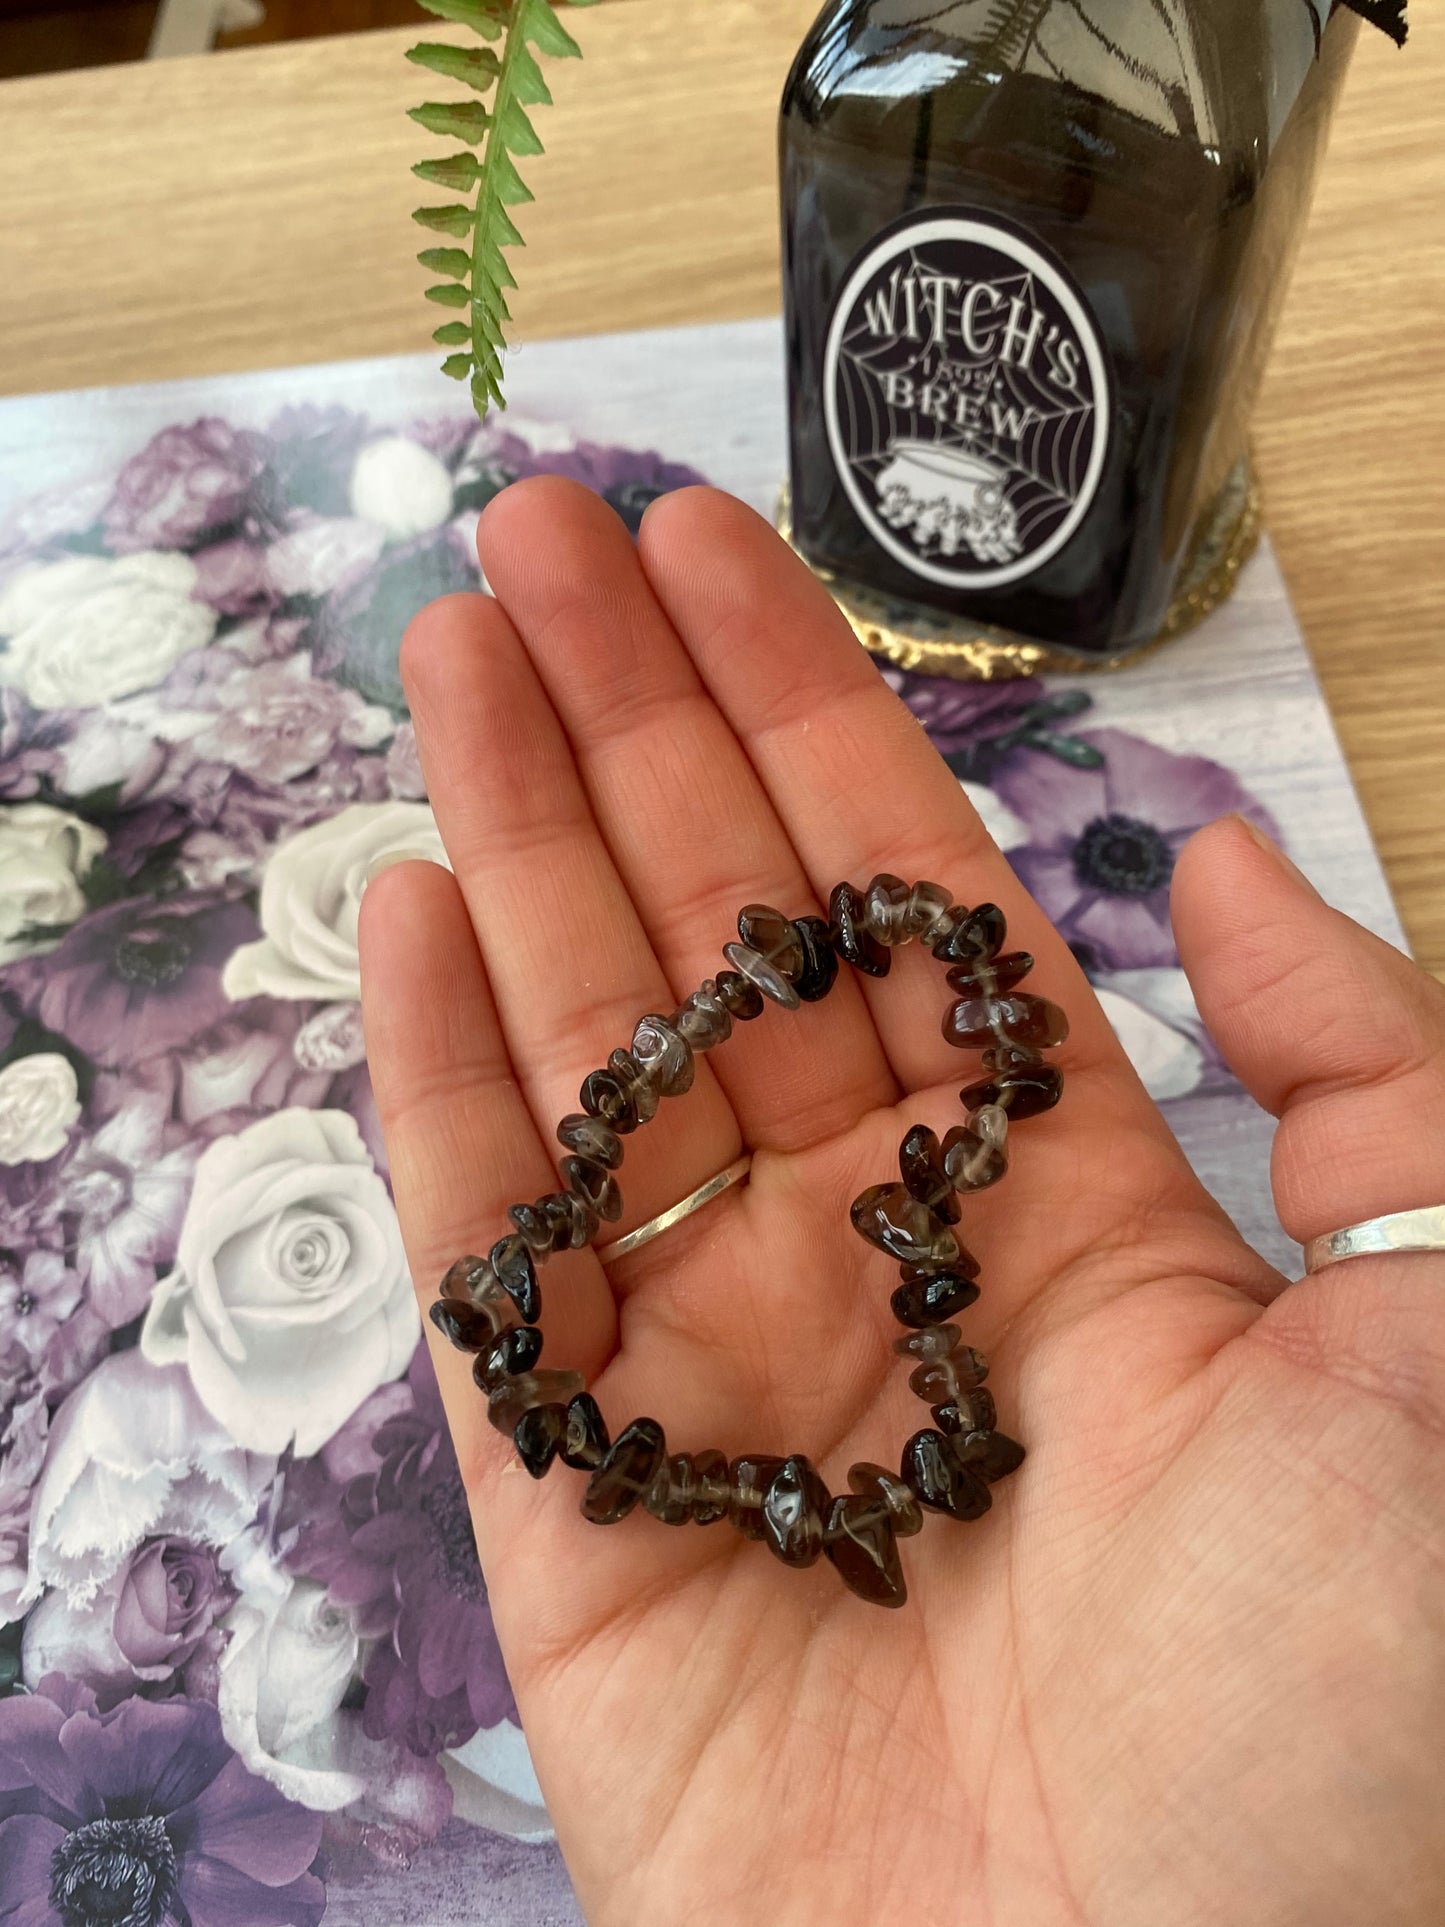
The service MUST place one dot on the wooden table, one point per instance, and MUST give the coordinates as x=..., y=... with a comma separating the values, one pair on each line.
x=250, y=209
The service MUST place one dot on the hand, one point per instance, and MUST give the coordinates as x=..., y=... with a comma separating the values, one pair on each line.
x=1189, y=1668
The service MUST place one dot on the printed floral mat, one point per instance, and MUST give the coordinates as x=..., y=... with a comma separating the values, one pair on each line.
x=247, y=1667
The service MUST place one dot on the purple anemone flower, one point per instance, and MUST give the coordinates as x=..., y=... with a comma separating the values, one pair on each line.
x=963, y=715
x=137, y=978
x=395, y=1547
x=143, y=1817
x=187, y=484
x=1104, y=841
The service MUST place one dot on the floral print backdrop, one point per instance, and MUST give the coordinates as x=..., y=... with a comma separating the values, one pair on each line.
x=248, y=1676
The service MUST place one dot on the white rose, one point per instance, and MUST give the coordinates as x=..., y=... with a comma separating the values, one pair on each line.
x=1167, y=1059
x=494, y=1784
x=39, y=1101
x=290, y=1300
x=311, y=899
x=321, y=555
x=93, y=628
x=1008, y=831
x=400, y=485
x=44, y=852
x=132, y=1455
x=288, y=1659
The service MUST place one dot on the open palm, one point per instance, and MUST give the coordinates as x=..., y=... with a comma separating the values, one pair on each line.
x=1189, y=1667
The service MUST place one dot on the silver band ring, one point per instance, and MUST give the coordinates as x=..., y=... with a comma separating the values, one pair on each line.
x=1421, y=1230
x=675, y=1213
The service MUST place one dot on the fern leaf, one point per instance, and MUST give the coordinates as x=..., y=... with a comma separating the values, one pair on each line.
x=456, y=219
x=453, y=261
x=477, y=67
x=485, y=17
x=449, y=294
x=458, y=367
x=536, y=22
x=458, y=120
x=515, y=131
x=458, y=172
x=452, y=334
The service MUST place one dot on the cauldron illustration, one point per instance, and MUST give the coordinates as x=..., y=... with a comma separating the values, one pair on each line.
x=947, y=500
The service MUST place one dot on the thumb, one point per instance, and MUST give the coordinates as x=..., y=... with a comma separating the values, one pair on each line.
x=1328, y=1027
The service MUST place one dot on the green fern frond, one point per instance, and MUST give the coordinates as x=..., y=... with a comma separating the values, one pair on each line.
x=479, y=279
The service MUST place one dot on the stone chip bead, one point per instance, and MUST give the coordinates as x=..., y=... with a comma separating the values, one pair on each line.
x=517, y=1395
x=605, y=1096
x=517, y=1350
x=741, y=1000
x=574, y=1223
x=929, y=1343
x=471, y=1328
x=794, y=1512
x=750, y=1477
x=820, y=961
x=1026, y=1092
x=595, y=1185
x=1018, y=1018
x=942, y=1381
x=588, y=1137
x=932, y=1296
x=877, y=1482
x=714, y=1487
x=851, y=938
x=514, y=1270
x=973, y=1154
x=859, y=1539
x=889, y=1217
x=665, y=1055
x=992, y=1455
x=773, y=937
x=585, y=1439
x=928, y=905
x=640, y=1089
x=703, y=1019
x=885, y=909
x=920, y=1161
x=673, y=1491
x=972, y=935
x=628, y=1467
x=763, y=975
x=934, y=1473
x=987, y=977
x=538, y=1435
x=970, y=1412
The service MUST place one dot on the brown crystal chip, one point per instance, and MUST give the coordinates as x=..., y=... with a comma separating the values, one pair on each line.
x=665, y=1055
x=887, y=1216
x=795, y=1508
x=988, y=977
x=940, y=1381
x=595, y=1185
x=517, y=1395
x=1022, y=1093
x=932, y=1297
x=820, y=961
x=673, y=1491
x=750, y=1477
x=993, y=1455
x=714, y=1486
x=605, y=1096
x=508, y=1354
x=467, y=1280
x=738, y=997
x=920, y=1160
x=471, y=1328
x=1019, y=1018
x=877, y=1482
x=859, y=1541
x=928, y=904
x=764, y=975
x=537, y=1436
x=773, y=936
x=851, y=938
x=970, y=1412
x=929, y=1342
x=934, y=1473
x=972, y=1161
x=703, y=1018
x=514, y=1270
x=628, y=1468
x=585, y=1439
x=590, y=1138
x=977, y=933
x=640, y=1089
x=885, y=909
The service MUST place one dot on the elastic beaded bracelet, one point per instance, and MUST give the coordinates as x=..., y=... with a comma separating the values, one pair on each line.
x=491, y=1306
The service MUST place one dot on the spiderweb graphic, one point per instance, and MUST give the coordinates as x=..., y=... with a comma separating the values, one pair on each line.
x=1024, y=404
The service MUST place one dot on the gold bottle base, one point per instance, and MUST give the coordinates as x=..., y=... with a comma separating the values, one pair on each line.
x=940, y=645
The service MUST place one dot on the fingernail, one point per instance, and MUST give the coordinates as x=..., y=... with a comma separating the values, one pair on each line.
x=389, y=858
x=1269, y=845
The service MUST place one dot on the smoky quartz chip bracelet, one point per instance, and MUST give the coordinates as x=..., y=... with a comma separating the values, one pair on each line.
x=491, y=1307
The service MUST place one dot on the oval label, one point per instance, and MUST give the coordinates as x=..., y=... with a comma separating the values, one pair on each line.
x=967, y=399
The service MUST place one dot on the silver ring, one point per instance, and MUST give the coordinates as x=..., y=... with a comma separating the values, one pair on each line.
x=1422, y=1230
x=675, y=1213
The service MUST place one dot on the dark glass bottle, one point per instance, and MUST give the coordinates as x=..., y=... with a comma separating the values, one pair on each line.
x=1034, y=252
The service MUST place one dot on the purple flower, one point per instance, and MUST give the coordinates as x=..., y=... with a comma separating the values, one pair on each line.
x=276, y=721
x=171, y=1595
x=36, y=1300
x=630, y=479
x=395, y=1547
x=187, y=484
x=143, y=1817
x=136, y=979
x=359, y=633
x=403, y=766
x=24, y=1429
x=233, y=577
x=962, y=715
x=1104, y=841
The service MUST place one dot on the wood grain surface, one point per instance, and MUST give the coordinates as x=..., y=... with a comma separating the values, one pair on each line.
x=251, y=209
